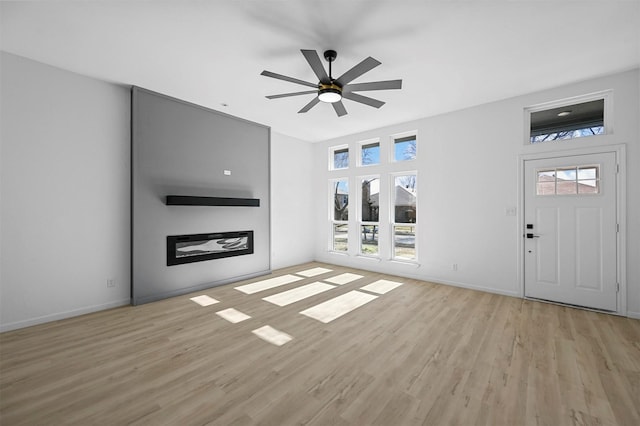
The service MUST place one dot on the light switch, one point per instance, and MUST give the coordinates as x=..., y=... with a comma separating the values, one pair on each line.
x=227, y=172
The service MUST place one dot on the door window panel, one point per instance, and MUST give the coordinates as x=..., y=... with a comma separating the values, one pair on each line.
x=568, y=180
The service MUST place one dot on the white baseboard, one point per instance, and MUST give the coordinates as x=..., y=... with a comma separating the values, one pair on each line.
x=62, y=315
x=474, y=287
x=407, y=271
x=635, y=315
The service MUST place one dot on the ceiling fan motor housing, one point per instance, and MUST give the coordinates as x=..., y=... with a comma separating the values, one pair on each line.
x=330, y=55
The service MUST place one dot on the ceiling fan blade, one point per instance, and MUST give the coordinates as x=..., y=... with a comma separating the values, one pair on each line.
x=310, y=105
x=363, y=99
x=315, y=63
x=374, y=85
x=355, y=72
x=339, y=108
x=289, y=79
x=285, y=95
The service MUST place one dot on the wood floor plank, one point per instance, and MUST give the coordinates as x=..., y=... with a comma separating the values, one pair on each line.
x=420, y=354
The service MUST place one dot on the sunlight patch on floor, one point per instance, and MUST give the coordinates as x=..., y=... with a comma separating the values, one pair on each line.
x=232, y=315
x=313, y=272
x=343, y=278
x=267, y=284
x=294, y=295
x=271, y=335
x=381, y=286
x=204, y=300
x=338, y=306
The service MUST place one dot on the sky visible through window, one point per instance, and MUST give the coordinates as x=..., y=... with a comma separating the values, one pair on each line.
x=371, y=154
x=405, y=149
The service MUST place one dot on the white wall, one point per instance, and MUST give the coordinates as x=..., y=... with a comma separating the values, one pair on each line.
x=468, y=177
x=292, y=202
x=64, y=226
x=65, y=195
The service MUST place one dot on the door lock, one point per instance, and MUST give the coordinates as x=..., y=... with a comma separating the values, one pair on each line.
x=533, y=236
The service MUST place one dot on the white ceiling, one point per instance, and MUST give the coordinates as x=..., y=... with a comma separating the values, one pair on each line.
x=450, y=54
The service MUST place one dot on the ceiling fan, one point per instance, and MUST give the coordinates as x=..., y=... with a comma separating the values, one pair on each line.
x=332, y=90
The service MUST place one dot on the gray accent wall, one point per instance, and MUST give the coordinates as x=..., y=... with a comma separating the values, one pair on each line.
x=180, y=148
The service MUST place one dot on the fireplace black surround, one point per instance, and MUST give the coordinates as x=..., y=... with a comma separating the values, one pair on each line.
x=200, y=247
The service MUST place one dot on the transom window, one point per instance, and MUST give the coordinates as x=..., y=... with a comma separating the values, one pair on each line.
x=568, y=180
x=404, y=149
x=572, y=119
x=339, y=157
x=370, y=154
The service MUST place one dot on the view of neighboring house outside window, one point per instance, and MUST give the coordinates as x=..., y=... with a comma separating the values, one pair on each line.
x=340, y=221
x=369, y=215
x=399, y=192
x=404, y=216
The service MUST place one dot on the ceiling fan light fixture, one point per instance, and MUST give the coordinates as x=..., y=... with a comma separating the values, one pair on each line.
x=329, y=93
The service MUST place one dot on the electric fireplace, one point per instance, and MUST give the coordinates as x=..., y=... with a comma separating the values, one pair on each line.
x=201, y=247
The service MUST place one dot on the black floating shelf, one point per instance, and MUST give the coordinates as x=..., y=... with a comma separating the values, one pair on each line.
x=185, y=200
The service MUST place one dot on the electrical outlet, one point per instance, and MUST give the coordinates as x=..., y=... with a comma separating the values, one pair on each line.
x=454, y=266
x=111, y=282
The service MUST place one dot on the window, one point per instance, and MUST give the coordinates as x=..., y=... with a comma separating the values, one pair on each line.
x=568, y=119
x=383, y=170
x=370, y=153
x=340, y=237
x=369, y=215
x=339, y=157
x=404, y=148
x=568, y=180
x=340, y=216
x=404, y=216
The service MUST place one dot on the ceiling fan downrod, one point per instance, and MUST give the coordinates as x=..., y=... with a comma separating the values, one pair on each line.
x=330, y=56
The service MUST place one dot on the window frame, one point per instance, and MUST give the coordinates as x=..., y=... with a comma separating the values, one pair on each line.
x=360, y=222
x=398, y=137
x=332, y=220
x=605, y=95
x=392, y=216
x=332, y=153
x=577, y=180
x=361, y=146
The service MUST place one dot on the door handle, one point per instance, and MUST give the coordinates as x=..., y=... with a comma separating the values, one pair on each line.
x=533, y=236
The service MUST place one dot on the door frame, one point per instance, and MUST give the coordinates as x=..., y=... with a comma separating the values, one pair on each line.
x=621, y=212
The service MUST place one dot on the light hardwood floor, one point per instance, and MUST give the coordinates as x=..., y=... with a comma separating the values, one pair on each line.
x=420, y=354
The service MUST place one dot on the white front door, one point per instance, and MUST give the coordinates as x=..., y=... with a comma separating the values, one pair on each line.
x=570, y=230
